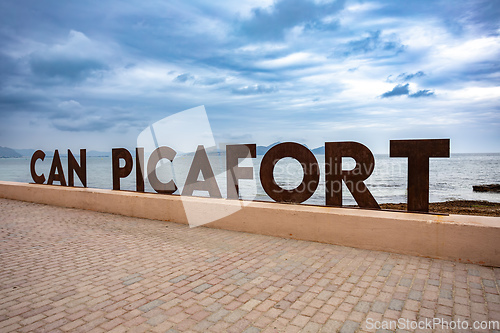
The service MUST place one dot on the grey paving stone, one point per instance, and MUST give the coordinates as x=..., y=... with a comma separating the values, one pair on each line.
x=332, y=326
x=235, y=315
x=215, y=317
x=448, y=294
x=489, y=283
x=201, y=288
x=384, y=273
x=475, y=285
x=151, y=305
x=415, y=295
x=379, y=307
x=349, y=327
x=212, y=259
x=396, y=304
x=252, y=329
x=433, y=282
x=130, y=276
x=362, y=307
x=213, y=307
x=491, y=298
x=132, y=281
x=242, y=281
x=178, y=279
x=405, y=282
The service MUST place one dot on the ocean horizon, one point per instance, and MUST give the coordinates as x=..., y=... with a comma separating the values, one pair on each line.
x=449, y=178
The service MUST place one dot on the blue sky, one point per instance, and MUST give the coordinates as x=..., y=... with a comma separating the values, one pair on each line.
x=93, y=74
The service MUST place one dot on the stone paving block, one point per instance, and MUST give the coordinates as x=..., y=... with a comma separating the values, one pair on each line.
x=433, y=282
x=349, y=327
x=362, y=307
x=218, y=315
x=132, y=276
x=178, y=279
x=104, y=272
x=415, y=295
x=133, y=280
x=252, y=330
x=151, y=305
x=201, y=288
x=448, y=294
x=379, y=306
x=396, y=305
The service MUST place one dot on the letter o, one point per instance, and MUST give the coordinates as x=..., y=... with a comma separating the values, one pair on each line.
x=310, y=168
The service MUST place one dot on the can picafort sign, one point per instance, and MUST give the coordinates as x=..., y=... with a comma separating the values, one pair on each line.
x=159, y=143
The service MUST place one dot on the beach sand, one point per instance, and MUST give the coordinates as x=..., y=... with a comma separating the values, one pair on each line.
x=462, y=207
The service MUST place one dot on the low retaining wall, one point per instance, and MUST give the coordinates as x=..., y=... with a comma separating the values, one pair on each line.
x=470, y=239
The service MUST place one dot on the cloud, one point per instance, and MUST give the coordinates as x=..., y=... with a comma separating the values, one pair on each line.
x=72, y=116
x=91, y=124
x=70, y=105
x=397, y=91
x=404, y=77
x=182, y=78
x=73, y=69
x=401, y=90
x=482, y=14
x=12, y=100
x=210, y=81
x=272, y=23
x=8, y=67
x=298, y=59
x=255, y=89
x=329, y=59
x=387, y=45
x=422, y=93
x=74, y=60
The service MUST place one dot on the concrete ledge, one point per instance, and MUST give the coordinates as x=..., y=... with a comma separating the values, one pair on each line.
x=470, y=239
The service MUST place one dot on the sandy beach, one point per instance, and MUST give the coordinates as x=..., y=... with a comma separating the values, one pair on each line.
x=81, y=271
x=461, y=207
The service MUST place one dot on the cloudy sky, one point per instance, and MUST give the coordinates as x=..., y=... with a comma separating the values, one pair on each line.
x=94, y=74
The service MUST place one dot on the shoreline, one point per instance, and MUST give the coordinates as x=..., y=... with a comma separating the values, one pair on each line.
x=460, y=207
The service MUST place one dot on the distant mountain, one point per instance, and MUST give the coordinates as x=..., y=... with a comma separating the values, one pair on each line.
x=64, y=152
x=262, y=150
x=95, y=153
x=25, y=152
x=221, y=150
x=319, y=150
x=8, y=152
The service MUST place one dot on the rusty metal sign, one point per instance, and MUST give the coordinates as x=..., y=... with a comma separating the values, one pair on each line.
x=418, y=153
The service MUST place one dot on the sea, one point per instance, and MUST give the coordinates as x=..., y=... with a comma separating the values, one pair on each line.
x=449, y=178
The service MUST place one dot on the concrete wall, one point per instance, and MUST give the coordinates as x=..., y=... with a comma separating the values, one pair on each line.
x=470, y=239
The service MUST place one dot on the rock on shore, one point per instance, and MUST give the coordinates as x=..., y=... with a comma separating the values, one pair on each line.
x=486, y=188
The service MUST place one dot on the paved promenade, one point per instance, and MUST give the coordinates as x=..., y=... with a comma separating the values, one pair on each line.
x=68, y=270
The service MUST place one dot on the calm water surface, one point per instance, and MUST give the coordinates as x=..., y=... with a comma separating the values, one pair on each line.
x=450, y=178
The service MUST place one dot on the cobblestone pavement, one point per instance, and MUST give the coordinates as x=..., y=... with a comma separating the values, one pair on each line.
x=68, y=270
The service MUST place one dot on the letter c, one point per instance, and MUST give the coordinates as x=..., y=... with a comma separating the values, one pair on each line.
x=37, y=155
